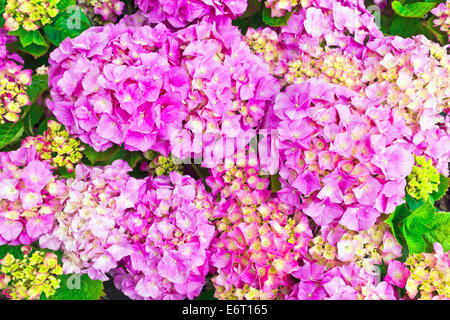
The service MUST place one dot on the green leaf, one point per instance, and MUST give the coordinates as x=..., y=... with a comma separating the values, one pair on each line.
x=275, y=21
x=34, y=49
x=419, y=221
x=395, y=221
x=64, y=4
x=38, y=85
x=440, y=233
x=413, y=10
x=18, y=33
x=413, y=203
x=14, y=250
x=70, y=23
x=77, y=287
x=133, y=158
x=94, y=156
x=10, y=132
x=442, y=188
x=32, y=37
x=416, y=244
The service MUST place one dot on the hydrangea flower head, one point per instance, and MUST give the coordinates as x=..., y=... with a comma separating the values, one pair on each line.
x=87, y=226
x=115, y=85
x=258, y=246
x=102, y=11
x=56, y=146
x=442, y=12
x=329, y=154
x=13, y=82
x=170, y=237
x=180, y=13
x=429, y=278
x=30, y=196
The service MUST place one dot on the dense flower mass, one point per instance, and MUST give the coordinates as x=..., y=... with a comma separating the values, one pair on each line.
x=115, y=85
x=30, y=196
x=13, y=82
x=428, y=276
x=230, y=90
x=29, y=14
x=386, y=70
x=337, y=246
x=180, y=13
x=102, y=11
x=345, y=156
x=86, y=227
x=56, y=146
x=259, y=243
x=27, y=278
x=276, y=149
x=442, y=12
x=348, y=282
x=170, y=240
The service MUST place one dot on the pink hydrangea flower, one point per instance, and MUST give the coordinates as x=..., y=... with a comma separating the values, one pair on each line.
x=30, y=197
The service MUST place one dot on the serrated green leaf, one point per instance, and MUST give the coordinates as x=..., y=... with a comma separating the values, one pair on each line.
x=420, y=220
x=10, y=132
x=442, y=188
x=32, y=37
x=33, y=49
x=94, y=156
x=39, y=84
x=440, y=232
x=274, y=21
x=70, y=23
x=413, y=203
x=416, y=243
x=64, y=4
x=413, y=10
x=77, y=287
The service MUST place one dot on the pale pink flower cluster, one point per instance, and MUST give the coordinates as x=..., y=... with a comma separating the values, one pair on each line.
x=87, y=229
x=30, y=197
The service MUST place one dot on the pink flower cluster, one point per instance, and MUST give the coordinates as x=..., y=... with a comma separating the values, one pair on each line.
x=348, y=282
x=180, y=91
x=87, y=228
x=442, y=12
x=115, y=84
x=259, y=243
x=30, y=197
x=230, y=90
x=326, y=40
x=180, y=13
x=170, y=239
x=239, y=177
x=344, y=155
